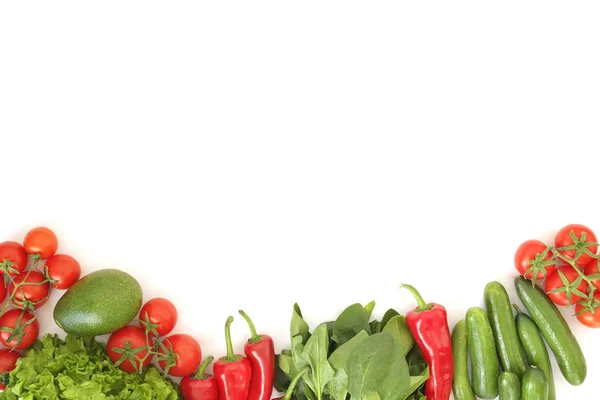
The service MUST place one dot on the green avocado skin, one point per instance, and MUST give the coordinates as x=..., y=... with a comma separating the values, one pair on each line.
x=101, y=302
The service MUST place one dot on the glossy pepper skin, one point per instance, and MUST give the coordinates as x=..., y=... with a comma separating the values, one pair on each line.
x=232, y=371
x=260, y=351
x=200, y=386
x=428, y=324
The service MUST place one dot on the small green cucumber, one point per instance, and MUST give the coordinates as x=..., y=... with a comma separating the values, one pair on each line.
x=555, y=331
x=509, y=385
x=535, y=385
x=484, y=361
x=460, y=379
x=535, y=348
x=502, y=321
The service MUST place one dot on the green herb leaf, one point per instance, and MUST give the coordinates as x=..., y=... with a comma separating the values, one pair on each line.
x=351, y=321
x=298, y=326
x=377, y=364
x=389, y=314
x=337, y=388
x=369, y=309
x=415, y=383
x=297, y=350
x=339, y=358
x=398, y=327
x=282, y=378
x=315, y=353
x=375, y=326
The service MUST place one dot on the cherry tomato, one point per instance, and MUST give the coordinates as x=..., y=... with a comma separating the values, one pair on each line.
x=3, y=291
x=592, y=269
x=589, y=319
x=13, y=258
x=26, y=326
x=553, y=281
x=160, y=312
x=64, y=271
x=188, y=351
x=32, y=289
x=563, y=238
x=533, y=250
x=123, y=342
x=8, y=362
x=42, y=241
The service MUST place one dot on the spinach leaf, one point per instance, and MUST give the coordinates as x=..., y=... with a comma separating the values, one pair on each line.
x=303, y=392
x=415, y=383
x=297, y=350
x=338, y=387
x=369, y=309
x=375, y=326
x=351, y=321
x=315, y=353
x=416, y=362
x=298, y=325
x=389, y=314
x=398, y=327
x=377, y=364
x=332, y=343
x=282, y=379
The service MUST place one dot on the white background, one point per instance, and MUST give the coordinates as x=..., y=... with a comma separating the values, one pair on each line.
x=251, y=155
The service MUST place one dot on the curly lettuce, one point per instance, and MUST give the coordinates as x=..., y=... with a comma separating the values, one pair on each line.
x=78, y=368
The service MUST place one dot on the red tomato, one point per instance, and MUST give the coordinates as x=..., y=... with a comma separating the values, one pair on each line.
x=592, y=269
x=42, y=241
x=554, y=281
x=12, y=256
x=64, y=271
x=532, y=251
x=588, y=318
x=8, y=362
x=563, y=239
x=184, y=350
x=3, y=291
x=123, y=343
x=31, y=290
x=24, y=326
x=160, y=312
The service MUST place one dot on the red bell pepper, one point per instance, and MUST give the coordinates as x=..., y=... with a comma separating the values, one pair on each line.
x=200, y=386
x=428, y=324
x=232, y=371
x=260, y=351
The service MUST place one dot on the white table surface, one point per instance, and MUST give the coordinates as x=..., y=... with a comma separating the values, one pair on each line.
x=256, y=155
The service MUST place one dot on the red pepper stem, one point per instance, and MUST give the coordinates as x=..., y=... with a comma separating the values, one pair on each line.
x=423, y=306
x=230, y=353
x=201, y=373
x=255, y=337
x=290, y=390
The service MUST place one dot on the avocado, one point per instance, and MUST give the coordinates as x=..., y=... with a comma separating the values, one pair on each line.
x=99, y=303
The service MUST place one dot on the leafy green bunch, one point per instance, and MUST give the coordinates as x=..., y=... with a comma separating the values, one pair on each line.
x=352, y=357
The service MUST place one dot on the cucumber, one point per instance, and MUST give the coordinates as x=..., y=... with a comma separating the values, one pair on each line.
x=509, y=386
x=484, y=361
x=535, y=348
x=460, y=379
x=99, y=303
x=500, y=314
x=535, y=386
x=555, y=331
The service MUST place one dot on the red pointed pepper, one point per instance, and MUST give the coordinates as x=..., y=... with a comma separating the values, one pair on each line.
x=428, y=324
x=260, y=351
x=200, y=386
x=232, y=371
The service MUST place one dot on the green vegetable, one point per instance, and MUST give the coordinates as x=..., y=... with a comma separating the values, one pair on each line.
x=535, y=386
x=389, y=314
x=315, y=353
x=80, y=370
x=535, y=348
x=369, y=309
x=460, y=380
x=554, y=329
x=484, y=361
x=350, y=322
x=99, y=303
x=509, y=386
x=398, y=327
x=502, y=321
x=377, y=365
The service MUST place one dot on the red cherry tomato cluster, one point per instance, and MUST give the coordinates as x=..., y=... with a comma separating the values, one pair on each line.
x=133, y=347
x=567, y=269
